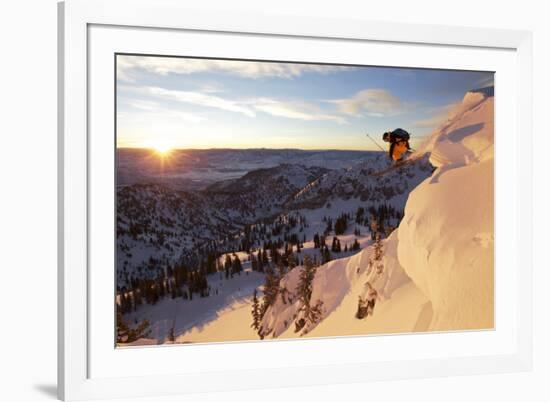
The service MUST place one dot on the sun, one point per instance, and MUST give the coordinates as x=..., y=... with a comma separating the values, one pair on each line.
x=162, y=148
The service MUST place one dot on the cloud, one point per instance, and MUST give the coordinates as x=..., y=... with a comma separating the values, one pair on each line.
x=197, y=98
x=295, y=110
x=144, y=105
x=154, y=109
x=150, y=115
x=299, y=110
x=372, y=102
x=211, y=88
x=128, y=65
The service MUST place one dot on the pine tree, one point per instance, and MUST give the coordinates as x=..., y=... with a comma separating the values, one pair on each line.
x=307, y=314
x=125, y=334
x=271, y=290
x=341, y=224
x=274, y=255
x=292, y=261
x=326, y=255
x=281, y=268
x=328, y=229
x=336, y=247
x=316, y=243
x=378, y=254
x=173, y=292
x=236, y=266
x=255, y=312
x=122, y=302
x=359, y=215
x=137, y=297
x=322, y=242
x=260, y=261
x=122, y=328
x=227, y=266
x=211, y=263
x=172, y=332
x=253, y=262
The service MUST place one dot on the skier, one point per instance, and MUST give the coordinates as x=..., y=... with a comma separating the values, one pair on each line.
x=399, y=144
x=400, y=151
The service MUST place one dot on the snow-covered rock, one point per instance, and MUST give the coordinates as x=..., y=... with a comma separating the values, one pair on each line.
x=446, y=237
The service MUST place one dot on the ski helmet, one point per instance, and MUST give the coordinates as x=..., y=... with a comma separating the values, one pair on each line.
x=396, y=135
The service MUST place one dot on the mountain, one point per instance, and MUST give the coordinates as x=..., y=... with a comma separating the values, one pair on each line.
x=263, y=192
x=196, y=169
x=159, y=226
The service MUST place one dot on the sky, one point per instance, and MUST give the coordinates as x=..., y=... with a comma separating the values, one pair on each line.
x=191, y=103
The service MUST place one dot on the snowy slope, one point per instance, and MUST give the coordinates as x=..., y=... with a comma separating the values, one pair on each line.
x=188, y=318
x=338, y=284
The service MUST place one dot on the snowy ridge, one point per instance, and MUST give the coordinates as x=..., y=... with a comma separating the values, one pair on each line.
x=363, y=181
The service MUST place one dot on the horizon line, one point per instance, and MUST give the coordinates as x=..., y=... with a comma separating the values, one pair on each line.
x=250, y=149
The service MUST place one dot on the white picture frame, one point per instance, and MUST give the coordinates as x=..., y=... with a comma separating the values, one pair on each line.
x=80, y=378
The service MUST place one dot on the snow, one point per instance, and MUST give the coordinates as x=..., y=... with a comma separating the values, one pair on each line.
x=233, y=324
x=189, y=317
x=446, y=236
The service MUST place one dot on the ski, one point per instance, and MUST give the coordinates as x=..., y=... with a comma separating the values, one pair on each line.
x=396, y=165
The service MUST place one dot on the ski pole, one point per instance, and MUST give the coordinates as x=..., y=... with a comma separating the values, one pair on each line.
x=372, y=139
